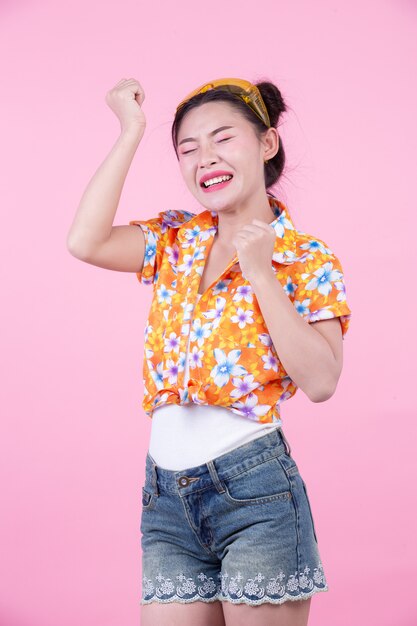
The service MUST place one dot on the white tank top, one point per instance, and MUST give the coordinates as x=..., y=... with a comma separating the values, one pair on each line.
x=184, y=436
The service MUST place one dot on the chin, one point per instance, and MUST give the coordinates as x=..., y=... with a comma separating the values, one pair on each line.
x=217, y=202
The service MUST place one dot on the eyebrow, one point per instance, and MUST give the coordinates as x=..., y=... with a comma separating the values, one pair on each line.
x=213, y=132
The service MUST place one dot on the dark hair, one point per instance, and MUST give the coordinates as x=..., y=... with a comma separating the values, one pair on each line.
x=275, y=106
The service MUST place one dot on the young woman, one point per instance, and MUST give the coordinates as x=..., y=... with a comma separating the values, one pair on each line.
x=246, y=309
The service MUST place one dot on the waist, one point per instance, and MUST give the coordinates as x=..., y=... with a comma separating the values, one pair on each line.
x=188, y=435
x=224, y=467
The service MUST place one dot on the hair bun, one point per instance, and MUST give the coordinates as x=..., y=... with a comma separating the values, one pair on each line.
x=273, y=99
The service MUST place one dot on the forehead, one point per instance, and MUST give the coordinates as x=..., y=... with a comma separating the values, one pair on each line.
x=205, y=117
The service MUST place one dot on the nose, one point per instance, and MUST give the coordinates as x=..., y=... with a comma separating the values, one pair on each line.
x=207, y=156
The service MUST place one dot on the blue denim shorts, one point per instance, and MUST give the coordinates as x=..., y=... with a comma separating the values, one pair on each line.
x=238, y=528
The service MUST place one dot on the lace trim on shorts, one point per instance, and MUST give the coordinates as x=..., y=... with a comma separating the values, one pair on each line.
x=231, y=588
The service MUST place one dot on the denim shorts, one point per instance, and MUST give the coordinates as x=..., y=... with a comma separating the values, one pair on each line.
x=238, y=528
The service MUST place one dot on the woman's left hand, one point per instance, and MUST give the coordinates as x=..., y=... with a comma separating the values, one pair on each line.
x=254, y=245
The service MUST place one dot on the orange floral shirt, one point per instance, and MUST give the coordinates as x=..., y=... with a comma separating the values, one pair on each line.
x=232, y=360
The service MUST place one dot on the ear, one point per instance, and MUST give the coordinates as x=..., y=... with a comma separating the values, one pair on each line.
x=271, y=143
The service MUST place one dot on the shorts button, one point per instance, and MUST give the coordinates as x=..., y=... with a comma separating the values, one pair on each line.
x=183, y=481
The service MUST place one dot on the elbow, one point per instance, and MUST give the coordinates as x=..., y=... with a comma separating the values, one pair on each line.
x=75, y=249
x=70, y=244
x=72, y=249
x=323, y=392
x=321, y=396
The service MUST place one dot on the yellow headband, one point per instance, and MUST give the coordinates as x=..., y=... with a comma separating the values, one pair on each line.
x=245, y=90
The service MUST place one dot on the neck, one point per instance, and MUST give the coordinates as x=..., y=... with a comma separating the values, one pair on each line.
x=231, y=220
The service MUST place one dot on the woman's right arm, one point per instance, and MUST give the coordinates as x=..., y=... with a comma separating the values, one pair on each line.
x=92, y=237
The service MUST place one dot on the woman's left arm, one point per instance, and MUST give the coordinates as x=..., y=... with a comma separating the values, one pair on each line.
x=311, y=353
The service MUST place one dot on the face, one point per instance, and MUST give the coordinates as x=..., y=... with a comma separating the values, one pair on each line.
x=204, y=149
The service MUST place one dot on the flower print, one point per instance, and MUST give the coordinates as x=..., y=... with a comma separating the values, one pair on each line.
x=302, y=307
x=314, y=245
x=323, y=278
x=265, y=339
x=150, y=251
x=320, y=314
x=181, y=361
x=288, y=256
x=147, y=330
x=166, y=588
x=250, y=381
x=270, y=362
x=164, y=294
x=171, y=371
x=197, y=234
x=157, y=375
x=211, y=231
x=216, y=313
x=242, y=317
x=286, y=381
x=226, y=366
x=192, y=235
x=289, y=286
x=199, y=332
x=251, y=409
x=243, y=385
x=188, y=309
x=199, y=253
x=174, y=218
x=243, y=292
x=196, y=358
x=187, y=588
x=252, y=589
x=341, y=287
x=173, y=254
x=281, y=224
x=187, y=265
x=172, y=343
x=208, y=587
x=221, y=286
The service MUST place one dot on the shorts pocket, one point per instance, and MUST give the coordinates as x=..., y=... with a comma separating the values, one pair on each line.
x=148, y=499
x=309, y=509
x=266, y=482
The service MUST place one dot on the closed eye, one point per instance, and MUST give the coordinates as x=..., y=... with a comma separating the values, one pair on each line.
x=224, y=139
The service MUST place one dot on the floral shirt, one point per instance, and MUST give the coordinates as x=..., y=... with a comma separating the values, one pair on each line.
x=232, y=360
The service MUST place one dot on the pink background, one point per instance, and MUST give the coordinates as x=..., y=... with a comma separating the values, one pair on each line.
x=73, y=434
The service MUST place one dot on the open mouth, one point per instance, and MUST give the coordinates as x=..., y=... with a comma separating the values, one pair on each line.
x=216, y=183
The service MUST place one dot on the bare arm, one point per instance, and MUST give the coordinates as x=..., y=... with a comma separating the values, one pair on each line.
x=92, y=237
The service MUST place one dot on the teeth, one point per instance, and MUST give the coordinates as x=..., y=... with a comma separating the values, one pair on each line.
x=213, y=181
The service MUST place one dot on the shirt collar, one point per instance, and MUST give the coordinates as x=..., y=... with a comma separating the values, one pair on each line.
x=204, y=225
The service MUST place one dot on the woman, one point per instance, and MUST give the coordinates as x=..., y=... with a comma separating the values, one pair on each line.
x=246, y=309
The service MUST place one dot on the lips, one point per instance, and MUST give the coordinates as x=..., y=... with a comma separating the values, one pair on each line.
x=216, y=186
x=214, y=174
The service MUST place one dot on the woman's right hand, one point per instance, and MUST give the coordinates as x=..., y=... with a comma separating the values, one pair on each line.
x=125, y=99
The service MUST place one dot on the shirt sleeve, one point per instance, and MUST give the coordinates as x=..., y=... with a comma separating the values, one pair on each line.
x=158, y=234
x=320, y=289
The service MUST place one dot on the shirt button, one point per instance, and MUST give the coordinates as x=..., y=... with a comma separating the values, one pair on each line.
x=183, y=481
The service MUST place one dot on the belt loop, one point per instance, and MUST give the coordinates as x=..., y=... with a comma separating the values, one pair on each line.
x=215, y=478
x=154, y=475
x=287, y=445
